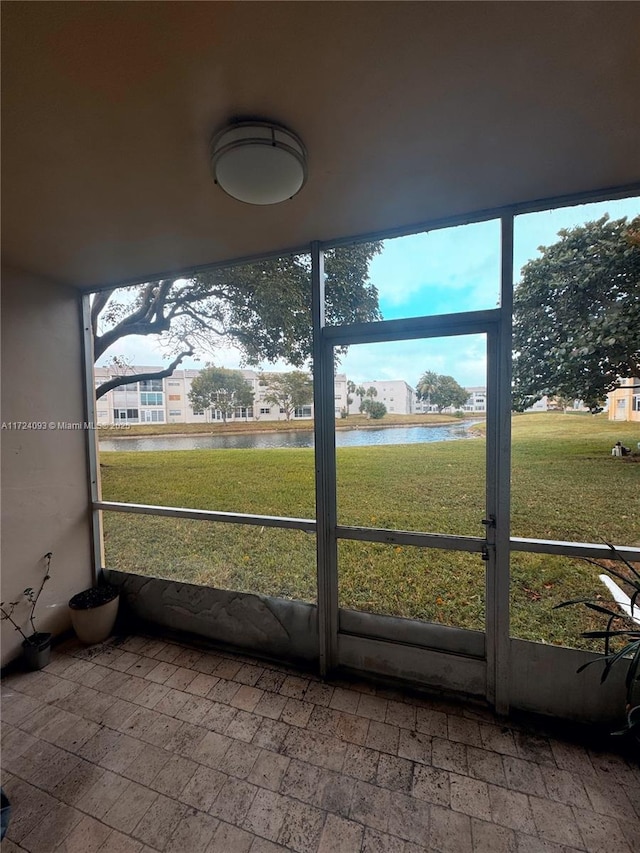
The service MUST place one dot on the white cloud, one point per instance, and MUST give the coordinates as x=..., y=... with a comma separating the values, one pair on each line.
x=428, y=273
x=464, y=358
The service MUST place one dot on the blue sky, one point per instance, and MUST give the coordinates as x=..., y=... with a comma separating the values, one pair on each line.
x=445, y=271
x=453, y=270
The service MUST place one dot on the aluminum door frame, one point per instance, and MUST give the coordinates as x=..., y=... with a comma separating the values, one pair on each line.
x=371, y=647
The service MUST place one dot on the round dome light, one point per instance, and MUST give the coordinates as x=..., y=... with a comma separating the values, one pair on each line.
x=258, y=162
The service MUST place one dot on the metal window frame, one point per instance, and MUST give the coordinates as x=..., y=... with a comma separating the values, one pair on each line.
x=91, y=442
x=498, y=413
x=496, y=324
x=324, y=457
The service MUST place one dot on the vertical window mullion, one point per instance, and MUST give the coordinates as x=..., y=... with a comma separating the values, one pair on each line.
x=325, y=468
x=499, y=486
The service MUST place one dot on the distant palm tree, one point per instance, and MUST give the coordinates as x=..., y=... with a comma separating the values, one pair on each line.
x=365, y=404
x=427, y=384
x=351, y=388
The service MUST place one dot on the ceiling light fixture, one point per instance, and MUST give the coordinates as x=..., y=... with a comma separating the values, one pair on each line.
x=258, y=162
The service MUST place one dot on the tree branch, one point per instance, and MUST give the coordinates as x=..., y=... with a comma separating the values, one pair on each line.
x=126, y=379
x=99, y=301
x=139, y=322
x=160, y=299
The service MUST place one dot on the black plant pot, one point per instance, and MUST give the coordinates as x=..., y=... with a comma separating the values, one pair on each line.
x=36, y=650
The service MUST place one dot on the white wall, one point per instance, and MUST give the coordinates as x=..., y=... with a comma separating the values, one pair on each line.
x=45, y=497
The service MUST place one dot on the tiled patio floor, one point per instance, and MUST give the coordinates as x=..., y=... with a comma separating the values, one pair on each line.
x=145, y=746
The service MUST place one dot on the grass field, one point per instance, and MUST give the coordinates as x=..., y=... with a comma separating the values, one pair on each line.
x=565, y=485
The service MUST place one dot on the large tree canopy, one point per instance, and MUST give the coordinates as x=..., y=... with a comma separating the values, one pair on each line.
x=220, y=389
x=448, y=392
x=289, y=391
x=577, y=315
x=264, y=308
x=441, y=391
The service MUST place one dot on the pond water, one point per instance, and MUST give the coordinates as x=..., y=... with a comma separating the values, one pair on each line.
x=297, y=438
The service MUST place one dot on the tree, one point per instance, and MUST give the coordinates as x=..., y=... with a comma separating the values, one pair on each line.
x=360, y=392
x=426, y=386
x=263, y=308
x=290, y=390
x=577, y=315
x=368, y=396
x=351, y=389
x=220, y=389
x=447, y=392
x=373, y=409
x=560, y=402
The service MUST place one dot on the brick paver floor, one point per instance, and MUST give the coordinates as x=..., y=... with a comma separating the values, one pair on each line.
x=141, y=745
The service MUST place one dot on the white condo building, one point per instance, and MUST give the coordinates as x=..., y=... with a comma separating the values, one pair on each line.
x=167, y=400
x=476, y=403
x=396, y=394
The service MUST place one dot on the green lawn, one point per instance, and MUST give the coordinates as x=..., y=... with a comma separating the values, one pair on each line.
x=565, y=485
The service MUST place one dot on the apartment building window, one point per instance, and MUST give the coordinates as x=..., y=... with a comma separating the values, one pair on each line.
x=120, y=389
x=151, y=385
x=265, y=410
x=151, y=416
x=150, y=398
x=243, y=412
x=127, y=415
x=175, y=397
x=302, y=412
x=636, y=402
x=174, y=384
x=175, y=413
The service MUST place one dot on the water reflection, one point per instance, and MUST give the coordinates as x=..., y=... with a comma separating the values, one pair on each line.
x=296, y=438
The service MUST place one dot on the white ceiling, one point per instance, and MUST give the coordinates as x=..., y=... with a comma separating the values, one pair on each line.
x=409, y=111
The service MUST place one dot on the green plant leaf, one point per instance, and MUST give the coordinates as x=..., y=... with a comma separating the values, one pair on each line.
x=624, y=559
x=615, y=658
x=609, y=633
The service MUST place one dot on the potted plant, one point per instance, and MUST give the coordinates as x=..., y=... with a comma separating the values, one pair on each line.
x=36, y=647
x=619, y=626
x=94, y=612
